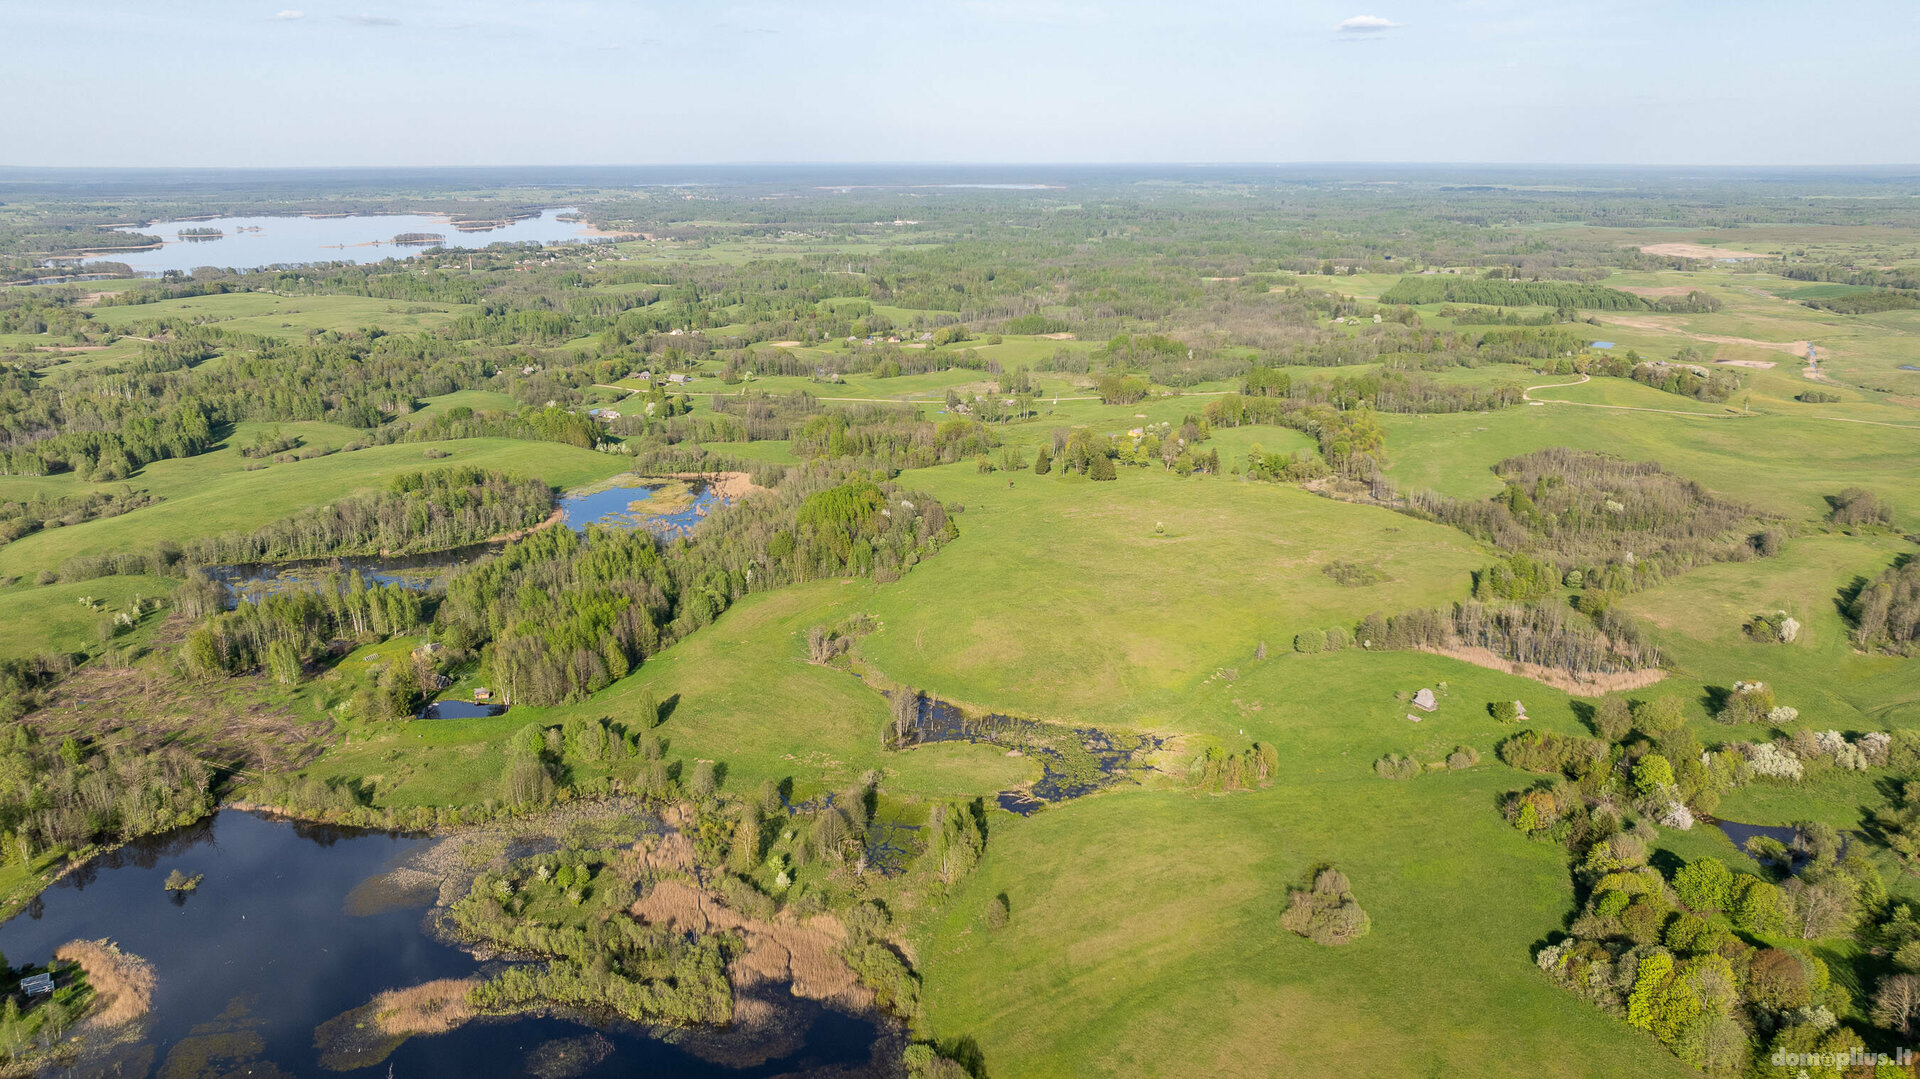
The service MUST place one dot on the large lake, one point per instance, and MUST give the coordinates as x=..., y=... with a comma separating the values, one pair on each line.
x=247, y=243
x=275, y=942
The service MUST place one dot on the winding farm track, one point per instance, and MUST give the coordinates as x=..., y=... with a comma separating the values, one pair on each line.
x=1527, y=396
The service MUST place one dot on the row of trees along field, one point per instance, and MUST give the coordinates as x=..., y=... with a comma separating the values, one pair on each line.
x=418, y=511
x=24, y=517
x=1448, y=288
x=1544, y=634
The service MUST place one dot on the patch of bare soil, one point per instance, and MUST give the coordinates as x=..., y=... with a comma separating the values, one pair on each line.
x=1665, y=325
x=1758, y=365
x=728, y=485
x=784, y=344
x=122, y=983
x=1698, y=251
x=805, y=954
x=148, y=705
x=1057, y=336
x=1580, y=685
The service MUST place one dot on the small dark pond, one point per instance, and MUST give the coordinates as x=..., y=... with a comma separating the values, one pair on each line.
x=461, y=710
x=1785, y=834
x=1740, y=833
x=275, y=942
x=1074, y=761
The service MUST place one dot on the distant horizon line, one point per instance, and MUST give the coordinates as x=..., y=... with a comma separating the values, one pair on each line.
x=1037, y=164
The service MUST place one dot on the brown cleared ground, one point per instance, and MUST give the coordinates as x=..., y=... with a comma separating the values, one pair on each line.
x=1699, y=251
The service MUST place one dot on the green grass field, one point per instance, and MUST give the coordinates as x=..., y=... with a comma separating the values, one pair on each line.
x=56, y=618
x=1781, y=464
x=741, y=692
x=1144, y=936
x=1110, y=602
x=289, y=316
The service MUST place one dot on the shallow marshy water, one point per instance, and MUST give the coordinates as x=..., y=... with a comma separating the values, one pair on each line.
x=294, y=925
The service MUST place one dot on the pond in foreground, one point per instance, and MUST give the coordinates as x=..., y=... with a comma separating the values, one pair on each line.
x=276, y=942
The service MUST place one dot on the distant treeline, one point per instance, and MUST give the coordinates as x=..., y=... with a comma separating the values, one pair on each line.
x=1497, y=292
x=1867, y=303
x=20, y=518
x=1866, y=277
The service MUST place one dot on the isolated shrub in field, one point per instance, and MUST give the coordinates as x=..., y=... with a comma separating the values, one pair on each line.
x=1504, y=711
x=1312, y=640
x=1463, y=757
x=1859, y=506
x=1773, y=627
x=1748, y=702
x=1326, y=913
x=1395, y=766
x=998, y=913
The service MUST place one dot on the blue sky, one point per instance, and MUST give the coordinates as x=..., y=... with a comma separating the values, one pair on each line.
x=483, y=82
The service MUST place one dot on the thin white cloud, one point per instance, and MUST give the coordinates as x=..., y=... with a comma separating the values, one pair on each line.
x=372, y=20
x=1367, y=24
x=291, y=14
